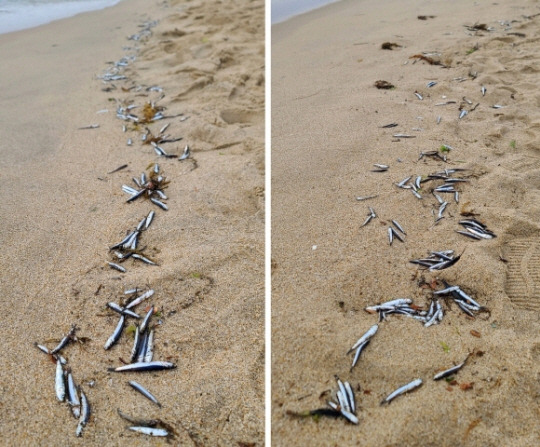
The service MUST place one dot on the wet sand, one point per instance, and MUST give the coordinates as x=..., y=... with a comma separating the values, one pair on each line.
x=61, y=211
x=326, y=136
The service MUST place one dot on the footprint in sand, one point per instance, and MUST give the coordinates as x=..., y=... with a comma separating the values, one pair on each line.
x=523, y=274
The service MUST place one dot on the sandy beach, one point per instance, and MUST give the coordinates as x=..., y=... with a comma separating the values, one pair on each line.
x=62, y=209
x=327, y=133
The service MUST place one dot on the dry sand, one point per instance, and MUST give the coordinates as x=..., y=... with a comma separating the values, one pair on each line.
x=326, y=134
x=61, y=211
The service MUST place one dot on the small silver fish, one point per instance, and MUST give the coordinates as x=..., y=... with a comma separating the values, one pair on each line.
x=116, y=334
x=368, y=335
x=144, y=366
x=160, y=432
x=60, y=384
x=117, y=267
x=405, y=388
x=138, y=387
x=85, y=414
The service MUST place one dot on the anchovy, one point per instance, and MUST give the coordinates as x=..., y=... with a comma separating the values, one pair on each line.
x=396, y=234
x=150, y=431
x=129, y=190
x=351, y=417
x=65, y=340
x=73, y=398
x=380, y=168
x=441, y=209
x=358, y=352
x=431, y=84
x=450, y=371
x=398, y=226
x=368, y=219
x=149, y=219
x=136, y=345
x=403, y=182
x=117, y=267
x=116, y=334
x=131, y=291
x=462, y=113
x=344, y=402
x=439, y=198
x=121, y=310
x=142, y=348
x=418, y=196
x=85, y=414
x=136, y=195
x=404, y=389
x=390, y=235
x=447, y=290
x=466, y=297
x=140, y=299
x=143, y=259
x=483, y=90
x=160, y=204
x=144, y=392
x=418, y=95
x=439, y=120
x=370, y=333
x=350, y=396
x=389, y=305
x=144, y=366
x=185, y=154
x=146, y=319
x=42, y=348
x=402, y=135
x=366, y=198
x=60, y=384
x=149, y=354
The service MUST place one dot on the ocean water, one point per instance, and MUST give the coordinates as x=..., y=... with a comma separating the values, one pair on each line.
x=20, y=14
x=285, y=9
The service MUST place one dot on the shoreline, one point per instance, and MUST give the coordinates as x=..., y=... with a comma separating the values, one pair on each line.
x=64, y=208
x=36, y=15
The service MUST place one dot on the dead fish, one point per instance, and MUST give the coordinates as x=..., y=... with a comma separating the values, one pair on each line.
x=159, y=432
x=149, y=219
x=367, y=336
x=116, y=334
x=160, y=204
x=463, y=113
x=450, y=371
x=404, y=389
x=365, y=198
x=85, y=414
x=483, y=90
x=140, y=299
x=72, y=397
x=149, y=354
x=431, y=84
x=398, y=226
x=117, y=267
x=122, y=311
x=144, y=366
x=497, y=106
x=358, y=352
x=138, y=387
x=60, y=384
x=402, y=135
x=388, y=126
x=65, y=340
x=186, y=154
x=380, y=168
x=390, y=235
x=419, y=96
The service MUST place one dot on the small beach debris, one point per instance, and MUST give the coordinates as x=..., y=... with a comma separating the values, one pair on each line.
x=388, y=126
x=385, y=85
x=425, y=17
x=427, y=59
x=389, y=46
x=91, y=126
x=117, y=169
